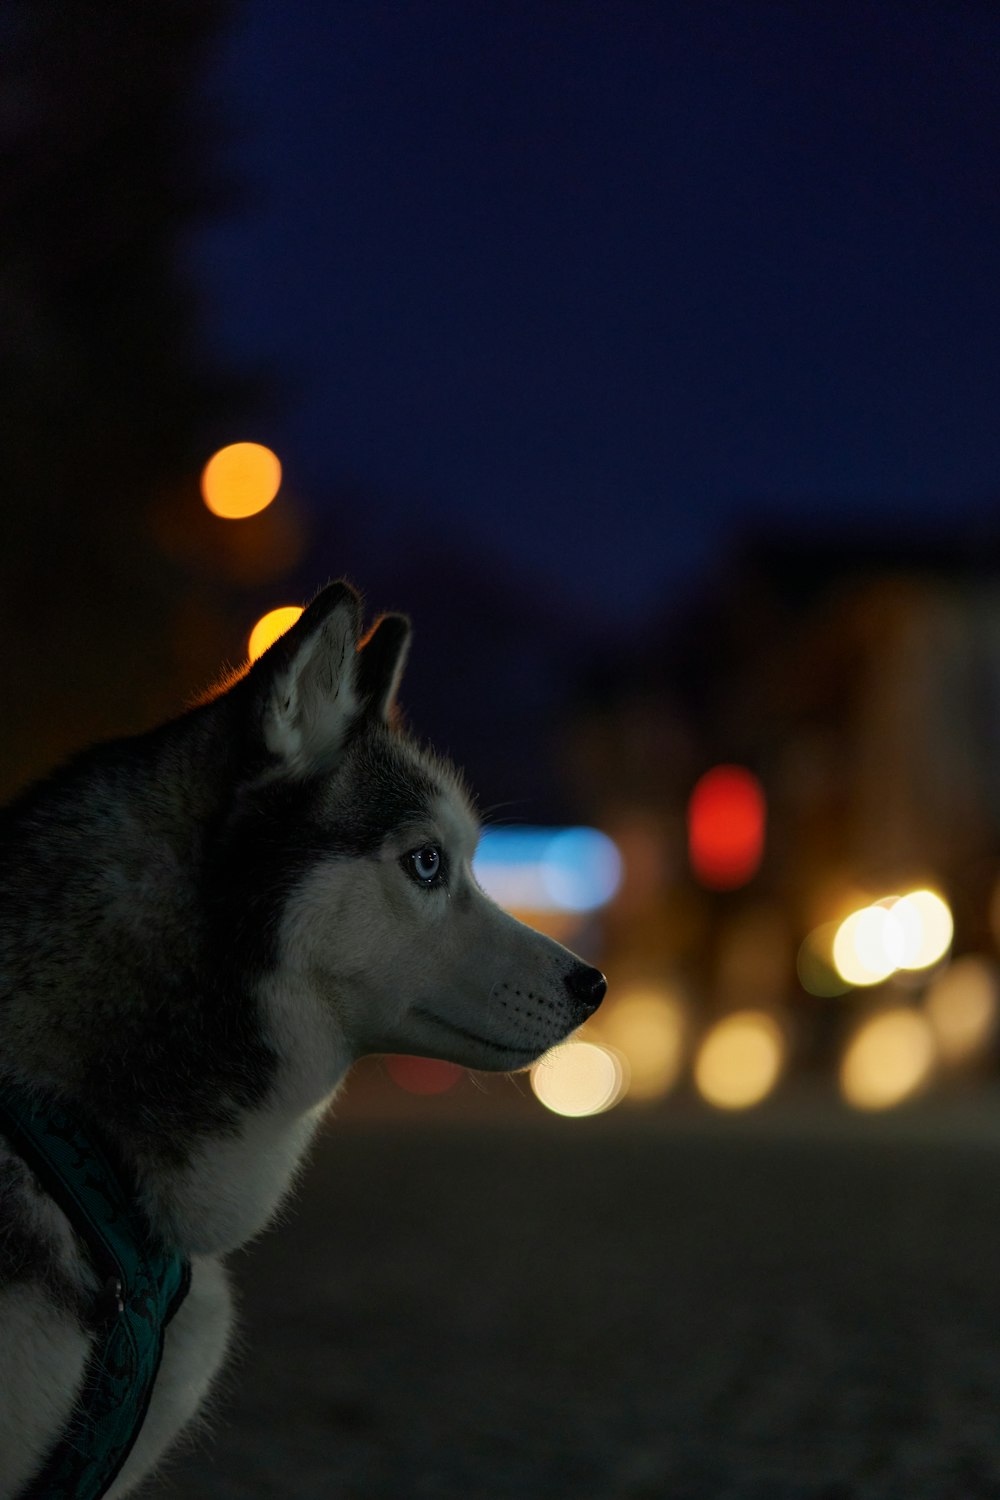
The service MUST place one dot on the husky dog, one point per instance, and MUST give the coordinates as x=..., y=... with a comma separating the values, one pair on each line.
x=200, y=929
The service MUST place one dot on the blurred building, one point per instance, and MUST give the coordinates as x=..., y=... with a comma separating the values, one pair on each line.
x=860, y=682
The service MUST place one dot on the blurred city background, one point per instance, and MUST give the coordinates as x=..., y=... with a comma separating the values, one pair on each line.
x=648, y=356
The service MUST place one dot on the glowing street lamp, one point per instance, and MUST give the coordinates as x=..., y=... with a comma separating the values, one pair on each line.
x=548, y=869
x=726, y=816
x=269, y=627
x=961, y=1005
x=888, y=1059
x=240, y=480
x=578, y=1078
x=648, y=1026
x=899, y=932
x=740, y=1060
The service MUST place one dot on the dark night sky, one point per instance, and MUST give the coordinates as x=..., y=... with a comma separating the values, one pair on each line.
x=596, y=284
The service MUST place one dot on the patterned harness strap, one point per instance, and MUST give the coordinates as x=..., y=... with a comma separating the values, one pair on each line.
x=144, y=1285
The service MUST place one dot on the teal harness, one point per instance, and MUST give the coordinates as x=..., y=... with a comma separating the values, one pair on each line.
x=144, y=1285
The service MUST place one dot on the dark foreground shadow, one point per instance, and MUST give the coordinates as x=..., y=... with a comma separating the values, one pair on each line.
x=617, y=1310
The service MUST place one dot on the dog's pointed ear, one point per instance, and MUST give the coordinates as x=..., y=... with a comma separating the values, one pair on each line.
x=308, y=682
x=381, y=659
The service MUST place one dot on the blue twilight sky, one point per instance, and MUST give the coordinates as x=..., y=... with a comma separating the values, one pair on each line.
x=593, y=286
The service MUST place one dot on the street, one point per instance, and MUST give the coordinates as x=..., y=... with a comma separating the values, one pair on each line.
x=623, y=1308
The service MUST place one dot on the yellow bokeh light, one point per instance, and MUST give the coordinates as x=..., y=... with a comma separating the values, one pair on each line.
x=578, y=1078
x=868, y=945
x=814, y=963
x=887, y=1060
x=927, y=926
x=240, y=480
x=961, y=1006
x=900, y=932
x=648, y=1026
x=269, y=627
x=740, y=1060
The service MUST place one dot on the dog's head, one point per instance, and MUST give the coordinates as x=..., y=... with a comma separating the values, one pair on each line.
x=353, y=848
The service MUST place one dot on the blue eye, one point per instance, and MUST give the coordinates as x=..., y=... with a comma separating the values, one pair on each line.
x=424, y=865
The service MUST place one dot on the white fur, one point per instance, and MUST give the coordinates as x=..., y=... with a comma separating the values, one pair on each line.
x=44, y=1353
x=233, y=1187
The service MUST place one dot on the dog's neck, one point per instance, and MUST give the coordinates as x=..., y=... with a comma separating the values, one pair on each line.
x=232, y=1186
x=233, y=1181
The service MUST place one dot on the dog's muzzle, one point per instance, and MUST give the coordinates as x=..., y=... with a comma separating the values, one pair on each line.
x=587, y=988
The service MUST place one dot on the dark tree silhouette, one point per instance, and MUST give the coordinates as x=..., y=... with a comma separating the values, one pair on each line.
x=107, y=407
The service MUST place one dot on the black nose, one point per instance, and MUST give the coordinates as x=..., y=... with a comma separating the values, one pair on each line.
x=587, y=986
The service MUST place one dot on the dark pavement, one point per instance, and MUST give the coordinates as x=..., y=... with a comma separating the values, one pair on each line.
x=625, y=1308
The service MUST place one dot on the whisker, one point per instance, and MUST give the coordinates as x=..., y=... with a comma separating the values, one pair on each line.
x=488, y=816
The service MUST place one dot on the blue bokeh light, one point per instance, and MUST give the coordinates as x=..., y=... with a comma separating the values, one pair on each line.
x=548, y=869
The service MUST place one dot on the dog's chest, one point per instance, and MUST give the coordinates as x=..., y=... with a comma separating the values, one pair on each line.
x=56, y=1325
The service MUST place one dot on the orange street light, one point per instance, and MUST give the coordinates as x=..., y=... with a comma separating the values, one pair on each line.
x=240, y=480
x=269, y=627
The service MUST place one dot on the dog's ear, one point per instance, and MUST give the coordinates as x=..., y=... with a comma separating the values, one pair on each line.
x=308, y=682
x=381, y=659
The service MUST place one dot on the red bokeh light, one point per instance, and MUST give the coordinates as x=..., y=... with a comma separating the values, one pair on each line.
x=726, y=823
x=422, y=1075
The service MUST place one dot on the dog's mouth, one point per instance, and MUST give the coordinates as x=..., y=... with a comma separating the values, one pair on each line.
x=522, y=1053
